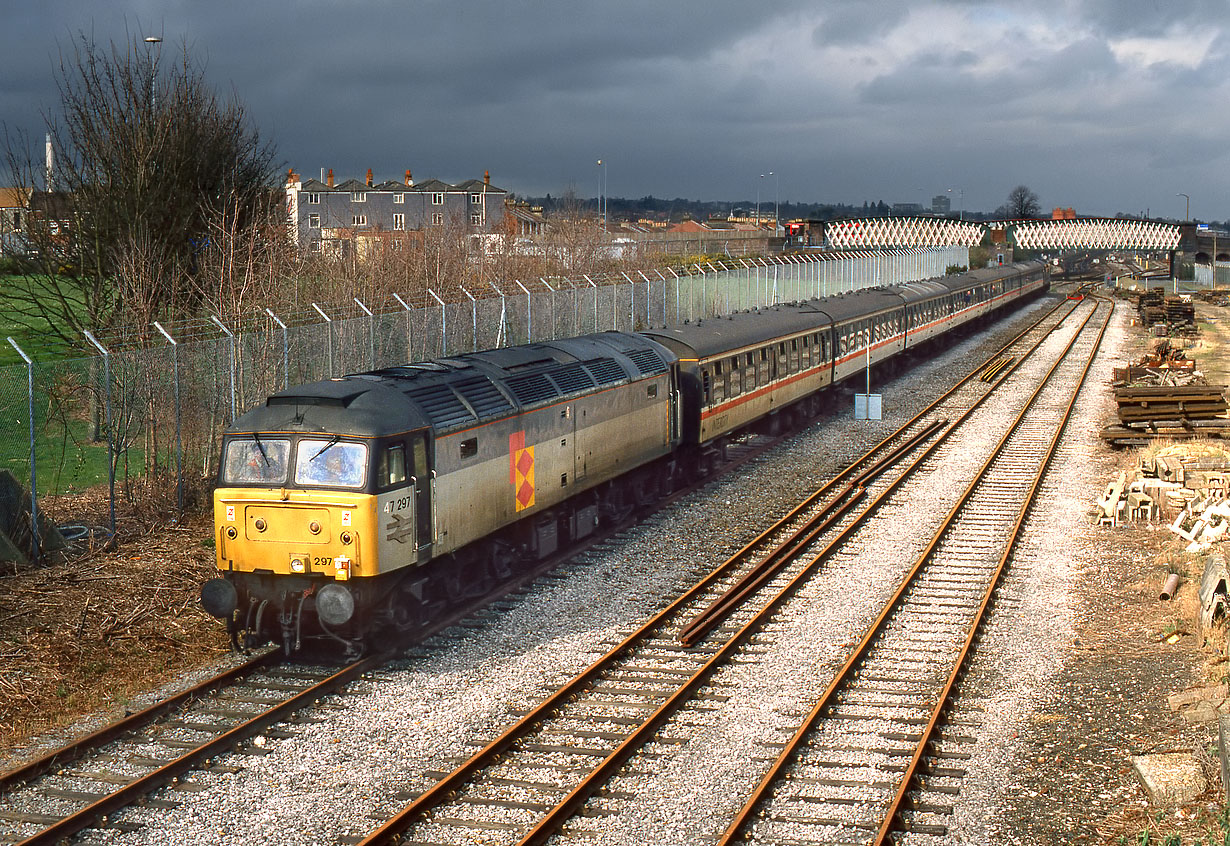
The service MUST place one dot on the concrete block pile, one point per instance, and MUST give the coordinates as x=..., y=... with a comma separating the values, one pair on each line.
x=1187, y=486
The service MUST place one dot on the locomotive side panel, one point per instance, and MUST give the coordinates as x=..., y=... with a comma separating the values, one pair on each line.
x=493, y=475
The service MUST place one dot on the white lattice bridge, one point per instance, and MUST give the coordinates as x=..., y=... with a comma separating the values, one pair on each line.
x=1091, y=233
x=1096, y=233
x=902, y=232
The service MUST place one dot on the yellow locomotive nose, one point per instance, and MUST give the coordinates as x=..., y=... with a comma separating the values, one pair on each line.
x=309, y=533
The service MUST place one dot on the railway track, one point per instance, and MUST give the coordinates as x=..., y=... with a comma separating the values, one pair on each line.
x=80, y=785
x=560, y=758
x=874, y=758
x=83, y=785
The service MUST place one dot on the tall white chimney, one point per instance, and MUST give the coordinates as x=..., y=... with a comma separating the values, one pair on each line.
x=50, y=165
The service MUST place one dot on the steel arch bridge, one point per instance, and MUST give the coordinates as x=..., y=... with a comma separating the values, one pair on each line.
x=1090, y=233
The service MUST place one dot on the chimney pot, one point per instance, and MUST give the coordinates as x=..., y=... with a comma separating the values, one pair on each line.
x=409, y=179
x=329, y=178
x=486, y=177
x=369, y=177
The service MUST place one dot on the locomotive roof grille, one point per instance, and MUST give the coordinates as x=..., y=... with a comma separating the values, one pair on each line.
x=647, y=361
x=605, y=371
x=531, y=388
x=441, y=405
x=571, y=378
x=484, y=397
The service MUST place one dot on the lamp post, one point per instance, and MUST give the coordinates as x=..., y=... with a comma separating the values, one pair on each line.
x=776, y=196
x=961, y=207
x=602, y=192
x=758, y=184
x=152, y=40
x=1187, y=209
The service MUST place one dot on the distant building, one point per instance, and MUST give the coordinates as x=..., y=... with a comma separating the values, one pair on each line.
x=345, y=217
x=941, y=204
x=1063, y=214
x=14, y=212
x=907, y=208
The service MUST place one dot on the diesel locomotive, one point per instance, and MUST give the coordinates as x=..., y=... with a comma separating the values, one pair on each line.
x=350, y=508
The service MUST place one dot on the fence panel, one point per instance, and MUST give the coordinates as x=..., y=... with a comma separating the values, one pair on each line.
x=169, y=402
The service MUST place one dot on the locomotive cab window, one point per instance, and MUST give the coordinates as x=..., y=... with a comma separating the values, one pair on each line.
x=391, y=470
x=651, y=391
x=332, y=462
x=469, y=447
x=255, y=460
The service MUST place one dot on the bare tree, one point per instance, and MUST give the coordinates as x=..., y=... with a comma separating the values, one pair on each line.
x=1022, y=203
x=152, y=172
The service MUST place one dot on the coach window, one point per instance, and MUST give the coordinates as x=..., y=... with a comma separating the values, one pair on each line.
x=719, y=382
x=736, y=378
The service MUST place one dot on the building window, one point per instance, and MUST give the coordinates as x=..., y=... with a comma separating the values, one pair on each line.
x=358, y=196
x=399, y=198
x=437, y=199
x=358, y=220
x=399, y=221
x=313, y=221
x=311, y=197
x=476, y=218
x=437, y=219
x=476, y=199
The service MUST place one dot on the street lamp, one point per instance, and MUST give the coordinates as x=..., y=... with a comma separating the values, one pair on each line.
x=1187, y=210
x=776, y=196
x=758, y=184
x=961, y=208
x=602, y=192
x=152, y=40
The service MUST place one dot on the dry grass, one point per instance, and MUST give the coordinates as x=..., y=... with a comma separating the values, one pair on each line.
x=86, y=635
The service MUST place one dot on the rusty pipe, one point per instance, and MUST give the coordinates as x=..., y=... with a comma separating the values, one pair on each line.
x=1171, y=586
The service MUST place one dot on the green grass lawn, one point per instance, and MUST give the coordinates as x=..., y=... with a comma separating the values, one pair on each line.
x=34, y=335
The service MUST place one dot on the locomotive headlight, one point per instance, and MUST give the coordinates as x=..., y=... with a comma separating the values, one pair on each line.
x=345, y=537
x=231, y=533
x=314, y=527
x=259, y=524
x=296, y=565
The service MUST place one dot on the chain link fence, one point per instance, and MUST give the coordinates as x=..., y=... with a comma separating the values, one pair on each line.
x=140, y=422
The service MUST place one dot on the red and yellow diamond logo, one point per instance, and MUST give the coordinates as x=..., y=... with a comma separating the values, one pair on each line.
x=521, y=470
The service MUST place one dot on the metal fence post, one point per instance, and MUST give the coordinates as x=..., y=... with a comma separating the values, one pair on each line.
x=648, y=299
x=529, y=314
x=500, y=330
x=443, y=324
x=552, y=290
x=285, y=349
x=110, y=434
x=35, y=547
x=473, y=318
x=664, y=304
x=632, y=302
x=328, y=335
x=179, y=445
x=409, y=328
x=593, y=285
x=371, y=335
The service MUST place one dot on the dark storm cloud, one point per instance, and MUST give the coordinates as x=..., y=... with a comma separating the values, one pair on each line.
x=858, y=23
x=1094, y=103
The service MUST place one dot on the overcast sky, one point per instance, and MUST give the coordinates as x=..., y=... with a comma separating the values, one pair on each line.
x=1103, y=105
